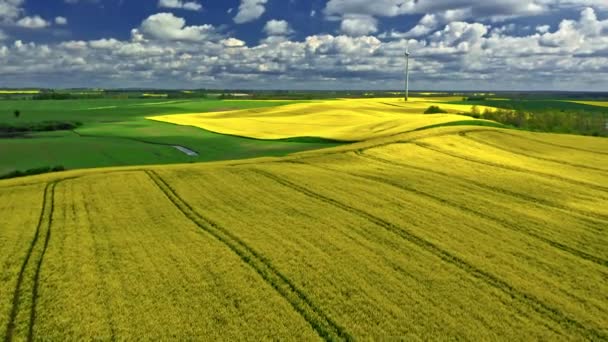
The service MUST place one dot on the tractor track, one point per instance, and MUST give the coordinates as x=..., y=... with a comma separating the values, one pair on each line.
x=323, y=325
x=588, y=217
x=47, y=238
x=42, y=232
x=524, y=298
x=503, y=223
x=511, y=168
x=551, y=144
x=557, y=161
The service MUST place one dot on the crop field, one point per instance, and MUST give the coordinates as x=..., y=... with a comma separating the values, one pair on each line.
x=343, y=120
x=115, y=132
x=18, y=91
x=593, y=103
x=446, y=233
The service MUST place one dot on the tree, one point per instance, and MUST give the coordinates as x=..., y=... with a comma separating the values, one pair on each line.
x=17, y=113
x=434, y=110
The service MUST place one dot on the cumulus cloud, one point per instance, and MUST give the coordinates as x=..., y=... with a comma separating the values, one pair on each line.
x=359, y=25
x=458, y=54
x=233, y=43
x=180, y=4
x=61, y=21
x=10, y=10
x=455, y=10
x=166, y=26
x=277, y=28
x=250, y=10
x=35, y=22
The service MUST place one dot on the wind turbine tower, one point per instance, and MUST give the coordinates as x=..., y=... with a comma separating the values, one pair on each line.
x=407, y=74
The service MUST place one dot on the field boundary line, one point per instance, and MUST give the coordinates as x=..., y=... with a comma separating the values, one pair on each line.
x=45, y=214
x=589, y=217
x=524, y=298
x=323, y=325
x=480, y=141
x=504, y=224
x=508, y=167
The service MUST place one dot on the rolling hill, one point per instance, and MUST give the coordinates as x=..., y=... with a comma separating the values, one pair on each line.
x=341, y=120
x=463, y=232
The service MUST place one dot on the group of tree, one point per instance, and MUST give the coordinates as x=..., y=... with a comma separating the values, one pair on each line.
x=557, y=121
x=31, y=172
x=43, y=126
x=435, y=110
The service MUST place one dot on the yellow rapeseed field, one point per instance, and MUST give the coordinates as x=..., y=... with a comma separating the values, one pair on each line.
x=346, y=120
x=593, y=103
x=26, y=92
x=448, y=233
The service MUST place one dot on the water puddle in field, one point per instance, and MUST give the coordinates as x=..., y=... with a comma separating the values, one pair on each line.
x=186, y=150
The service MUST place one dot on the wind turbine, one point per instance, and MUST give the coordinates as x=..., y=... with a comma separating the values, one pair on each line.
x=407, y=73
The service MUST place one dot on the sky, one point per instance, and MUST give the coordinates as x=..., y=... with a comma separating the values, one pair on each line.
x=305, y=44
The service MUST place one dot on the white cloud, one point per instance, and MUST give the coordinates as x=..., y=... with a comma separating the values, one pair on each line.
x=10, y=10
x=180, y=4
x=105, y=43
x=35, y=22
x=250, y=10
x=277, y=28
x=61, y=21
x=458, y=54
x=426, y=25
x=166, y=26
x=455, y=10
x=359, y=25
x=574, y=34
x=233, y=43
x=543, y=28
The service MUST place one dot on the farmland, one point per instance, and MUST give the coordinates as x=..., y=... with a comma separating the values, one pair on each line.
x=461, y=232
x=115, y=132
x=360, y=119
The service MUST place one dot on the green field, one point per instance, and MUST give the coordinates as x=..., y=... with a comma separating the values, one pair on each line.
x=115, y=132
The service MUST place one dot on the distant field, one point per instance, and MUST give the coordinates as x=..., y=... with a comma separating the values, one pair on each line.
x=115, y=132
x=17, y=91
x=593, y=103
x=451, y=233
x=345, y=120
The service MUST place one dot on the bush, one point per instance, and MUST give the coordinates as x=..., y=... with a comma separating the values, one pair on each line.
x=435, y=110
x=52, y=96
x=45, y=126
x=475, y=98
x=32, y=172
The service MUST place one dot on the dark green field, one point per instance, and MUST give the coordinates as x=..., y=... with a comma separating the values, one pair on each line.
x=115, y=132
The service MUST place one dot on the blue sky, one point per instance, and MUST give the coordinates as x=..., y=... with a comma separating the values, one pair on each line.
x=297, y=44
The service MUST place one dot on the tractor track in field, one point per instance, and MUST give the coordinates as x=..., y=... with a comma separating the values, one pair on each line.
x=323, y=325
x=101, y=292
x=588, y=217
x=551, y=144
x=503, y=223
x=47, y=238
x=524, y=298
x=44, y=220
x=510, y=168
x=557, y=161
x=8, y=187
